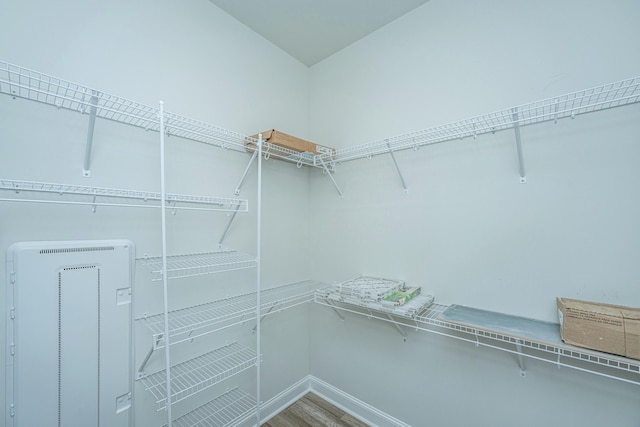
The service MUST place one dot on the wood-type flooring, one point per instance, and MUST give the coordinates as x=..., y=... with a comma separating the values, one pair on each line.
x=312, y=411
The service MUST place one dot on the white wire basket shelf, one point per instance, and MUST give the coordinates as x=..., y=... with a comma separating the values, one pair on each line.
x=188, y=323
x=198, y=264
x=229, y=409
x=47, y=192
x=372, y=293
x=364, y=288
x=24, y=83
x=523, y=337
x=598, y=98
x=198, y=374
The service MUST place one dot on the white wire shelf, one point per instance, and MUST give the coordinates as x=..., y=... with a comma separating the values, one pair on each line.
x=48, y=192
x=598, y=98
x=21, y=82
x=230, y=408
x=196, y=321
x=198, y=264
x=24, y=83
x=198, y=374
x=520, y=336
x=303, y=158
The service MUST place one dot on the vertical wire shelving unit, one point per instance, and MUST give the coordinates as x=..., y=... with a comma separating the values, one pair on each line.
x=203, y=372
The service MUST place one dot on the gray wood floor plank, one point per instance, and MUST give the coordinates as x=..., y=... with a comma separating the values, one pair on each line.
x=352, y=421
x=312, y=411
x=324, y=405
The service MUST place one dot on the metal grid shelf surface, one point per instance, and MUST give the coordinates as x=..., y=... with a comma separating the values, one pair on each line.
x=598, y=98
x=101, y=196
x=198, y=374
x=196, y=321
x=197, y=264
x=230, y=408
x=528, y=333
x=521, y=336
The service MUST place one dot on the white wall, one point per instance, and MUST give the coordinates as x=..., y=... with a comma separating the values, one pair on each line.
x=468, y=231
x=203, y=64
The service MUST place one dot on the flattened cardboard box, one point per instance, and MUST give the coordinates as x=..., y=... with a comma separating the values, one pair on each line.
x=285, y=140
x=604, y=327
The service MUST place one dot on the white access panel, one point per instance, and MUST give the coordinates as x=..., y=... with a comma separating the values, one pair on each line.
x=69, y=334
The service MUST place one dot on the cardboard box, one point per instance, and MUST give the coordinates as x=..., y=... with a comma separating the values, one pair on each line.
x=604, y=327
x=285, y=140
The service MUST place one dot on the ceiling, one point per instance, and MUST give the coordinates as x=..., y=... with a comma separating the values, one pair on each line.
x=311, y=30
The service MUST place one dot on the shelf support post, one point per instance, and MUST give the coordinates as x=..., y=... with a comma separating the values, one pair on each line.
x=165, y=287
x=86, y=170
x=395, y=162
x=246, y=171
x=516, y=128
x=328, y=173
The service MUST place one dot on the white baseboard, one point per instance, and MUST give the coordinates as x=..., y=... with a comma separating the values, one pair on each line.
x=356, y=407
x=279, y=402
x=353, y=406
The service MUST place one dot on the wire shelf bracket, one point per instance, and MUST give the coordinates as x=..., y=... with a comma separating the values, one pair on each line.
x=253, y=331
x=329, y=303
x=516, y=129
x=246, y=171
x=398, y=327
x=328, y=173
x=93, y=108
x=141, y=372
x=226, y=229
x=521, y=363
x=395, y=162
